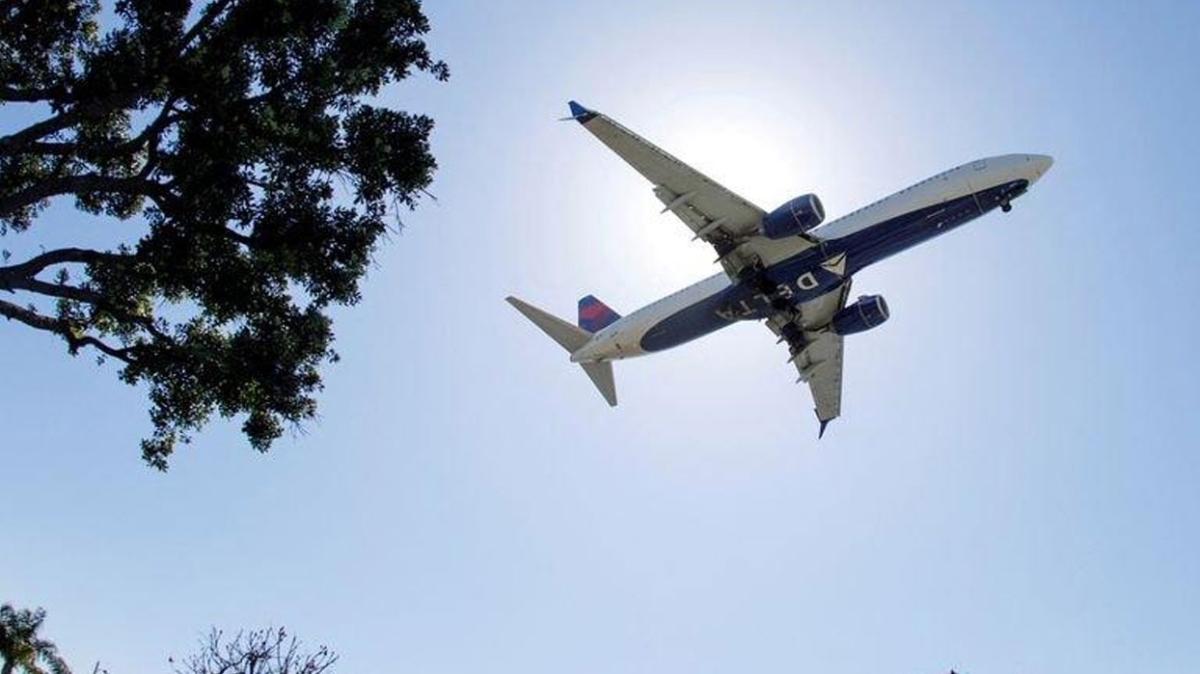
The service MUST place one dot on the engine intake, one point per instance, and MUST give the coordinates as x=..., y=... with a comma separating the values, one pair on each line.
x=795, y=217
x=868, y=312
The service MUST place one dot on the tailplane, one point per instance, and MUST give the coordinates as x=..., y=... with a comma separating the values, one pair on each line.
x=568, y=336
x=601, y=375
x=572, y=338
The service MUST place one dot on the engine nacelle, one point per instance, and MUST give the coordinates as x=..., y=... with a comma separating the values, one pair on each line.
x=868, y=312
x=795, y=217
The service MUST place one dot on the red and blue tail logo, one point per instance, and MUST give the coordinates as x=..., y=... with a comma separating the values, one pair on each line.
x=594, y=315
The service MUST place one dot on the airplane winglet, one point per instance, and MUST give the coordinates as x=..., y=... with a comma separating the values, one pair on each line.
x=579, y=113
x=824, y=423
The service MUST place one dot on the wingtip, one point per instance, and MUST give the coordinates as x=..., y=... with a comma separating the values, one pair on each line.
x=580, y=113
x=824, y=423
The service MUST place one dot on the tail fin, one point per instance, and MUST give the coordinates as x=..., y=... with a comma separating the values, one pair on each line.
x=595, y=315
x=572, y=339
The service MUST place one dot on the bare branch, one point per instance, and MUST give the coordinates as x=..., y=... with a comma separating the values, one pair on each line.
x=269, y=651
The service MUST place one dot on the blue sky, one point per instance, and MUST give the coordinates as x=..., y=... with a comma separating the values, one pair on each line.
x=1012, y=486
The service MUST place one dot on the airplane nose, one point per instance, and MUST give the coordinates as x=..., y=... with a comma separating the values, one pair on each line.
x=1038, y=164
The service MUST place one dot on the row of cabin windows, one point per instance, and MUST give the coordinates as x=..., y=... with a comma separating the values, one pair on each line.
x=943, y=174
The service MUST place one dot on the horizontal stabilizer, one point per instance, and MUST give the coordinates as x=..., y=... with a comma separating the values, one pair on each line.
x=601, y=375
x=568, y=336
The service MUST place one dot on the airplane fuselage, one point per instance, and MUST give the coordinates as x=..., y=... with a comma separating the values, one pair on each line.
x=911, y=216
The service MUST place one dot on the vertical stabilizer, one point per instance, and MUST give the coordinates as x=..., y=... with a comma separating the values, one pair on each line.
x=595, y=315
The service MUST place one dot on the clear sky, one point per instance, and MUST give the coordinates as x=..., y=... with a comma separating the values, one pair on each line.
x=1012, y=487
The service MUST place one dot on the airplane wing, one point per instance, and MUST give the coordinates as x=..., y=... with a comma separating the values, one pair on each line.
x=816, y=351
x=713, y=212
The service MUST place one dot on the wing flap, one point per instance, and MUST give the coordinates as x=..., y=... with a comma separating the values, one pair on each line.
x=821, y=367
x=817, y=352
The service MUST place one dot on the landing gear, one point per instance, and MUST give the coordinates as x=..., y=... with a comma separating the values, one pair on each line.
x=1005, y=207
x=759, y=280
x=755, y=276
x=794, y=336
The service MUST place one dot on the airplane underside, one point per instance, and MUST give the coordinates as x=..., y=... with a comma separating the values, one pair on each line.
x=786, y=267
x=806, y=277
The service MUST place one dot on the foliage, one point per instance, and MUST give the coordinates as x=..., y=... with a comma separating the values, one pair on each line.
x=238, y=136
x=21, y=649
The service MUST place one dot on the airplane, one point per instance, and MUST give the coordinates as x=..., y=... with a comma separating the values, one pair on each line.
x=787, y=267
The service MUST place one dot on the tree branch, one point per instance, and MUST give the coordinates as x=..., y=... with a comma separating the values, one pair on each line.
x=86, y=296
x=22, y=277
x=31, y=94
x=234, y=235
x=64, y=120
x=40, y=130
x=36, y=265
x=87, y=182
x=60, y=290
x=67, y=148
x=63, y=329
x=210, y=16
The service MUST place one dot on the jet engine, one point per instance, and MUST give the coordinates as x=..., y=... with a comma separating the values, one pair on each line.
x=868, y=312
x=795, y=217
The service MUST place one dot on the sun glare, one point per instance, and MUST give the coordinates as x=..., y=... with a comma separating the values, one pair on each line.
x=765, y=154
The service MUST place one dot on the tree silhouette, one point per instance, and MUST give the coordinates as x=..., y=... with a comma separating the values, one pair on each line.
x=232, y=154
x=265, y=651
x=262, y=651
x=22, y=651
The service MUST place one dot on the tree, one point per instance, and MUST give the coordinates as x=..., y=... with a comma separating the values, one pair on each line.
x=21, y=649
x=266, y=651
x=236, y=141
x=263, y=651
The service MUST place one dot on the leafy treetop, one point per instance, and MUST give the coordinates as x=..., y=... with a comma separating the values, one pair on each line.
x=22, y=648
x=240, y=137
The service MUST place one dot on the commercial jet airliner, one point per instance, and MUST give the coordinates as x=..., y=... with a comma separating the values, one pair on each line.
x=784, y=267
